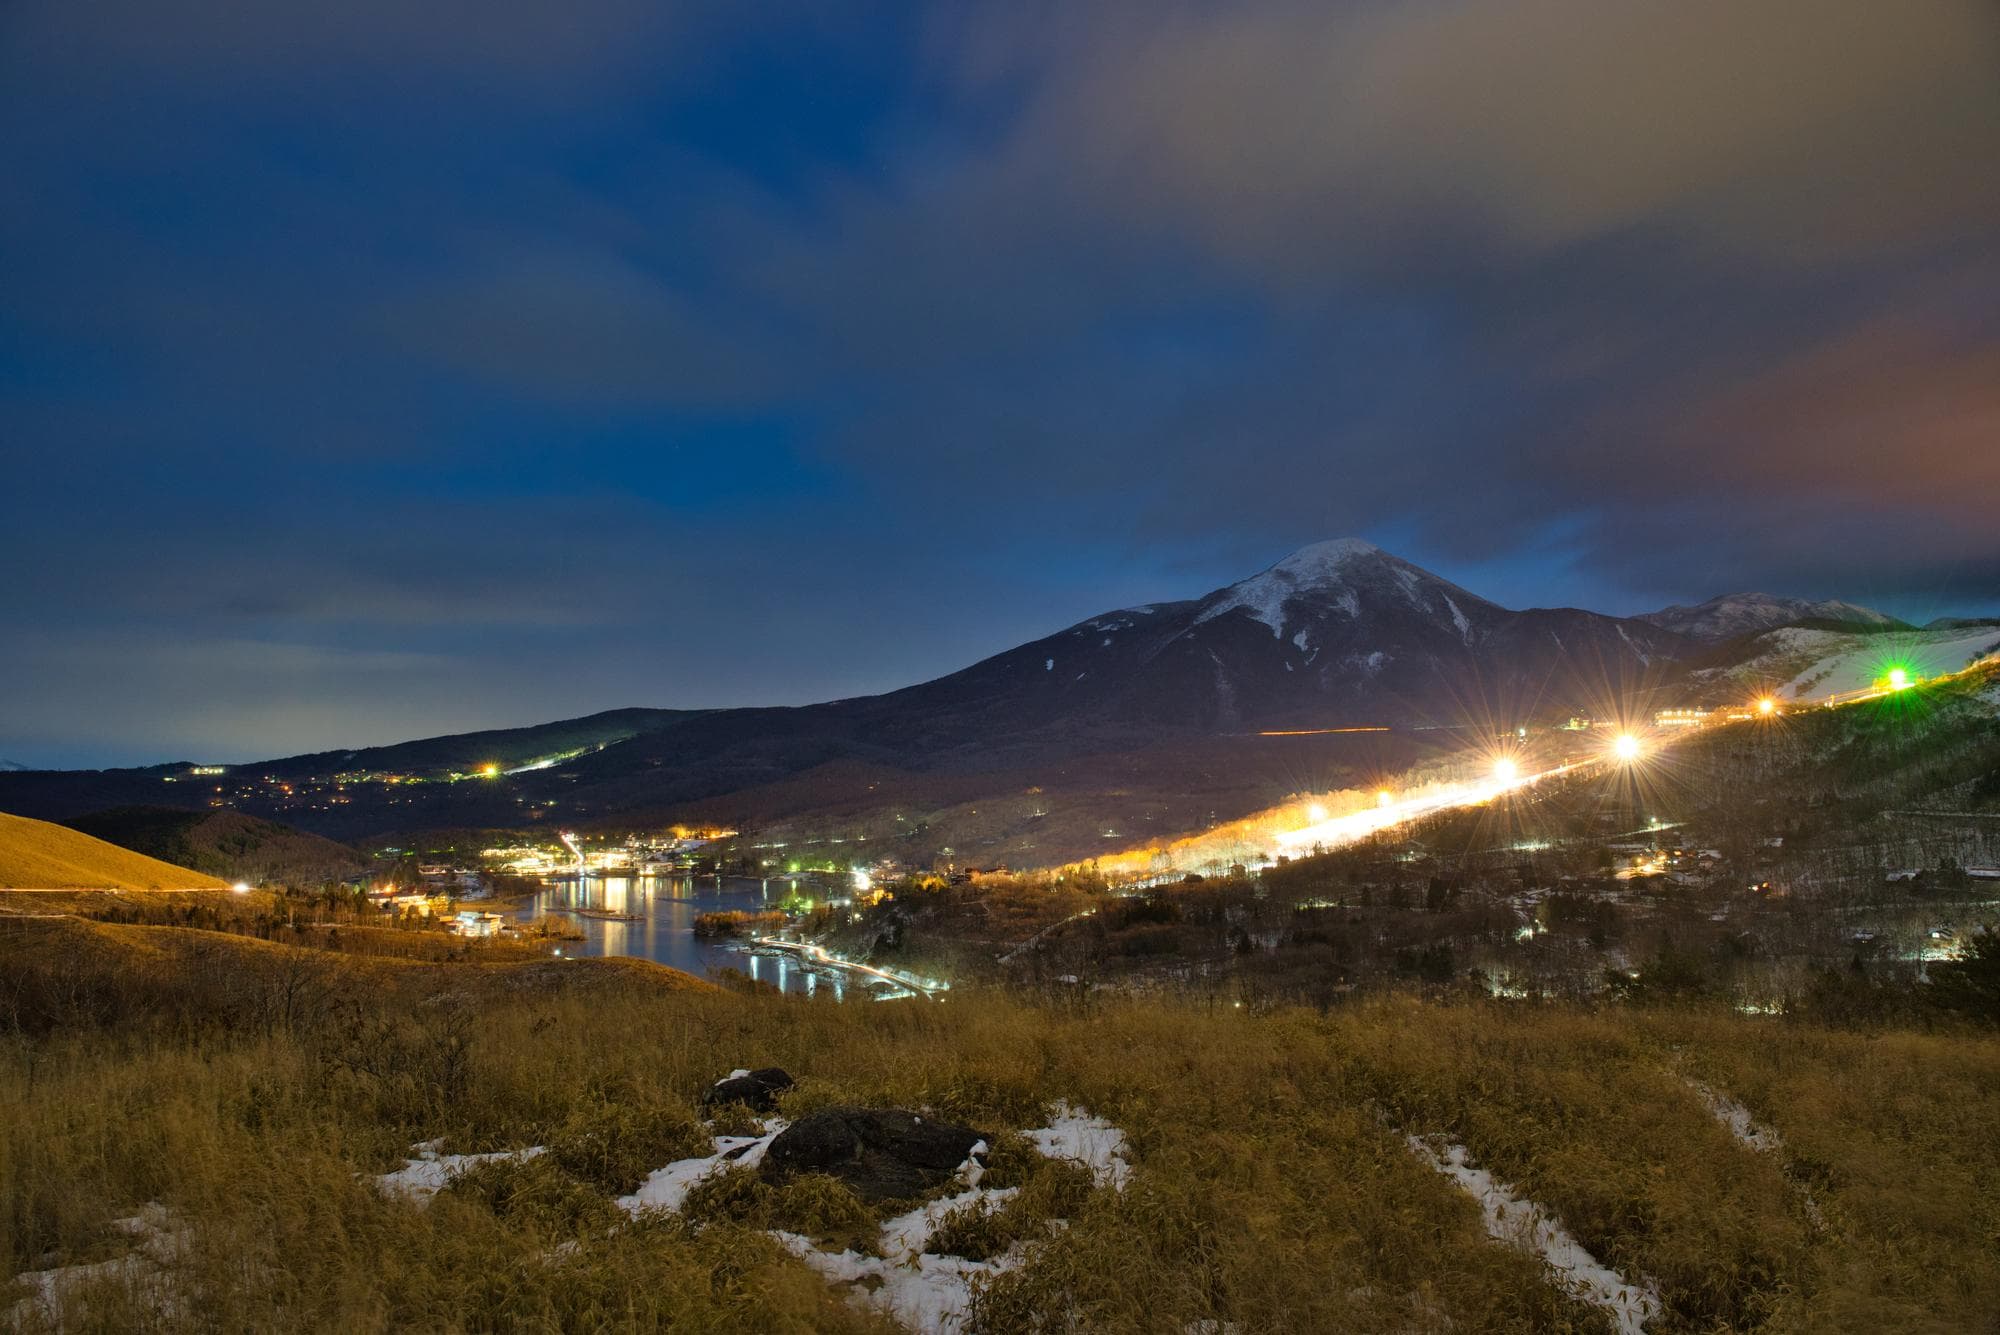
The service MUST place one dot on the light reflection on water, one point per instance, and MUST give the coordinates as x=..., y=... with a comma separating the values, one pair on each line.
x=667, y=907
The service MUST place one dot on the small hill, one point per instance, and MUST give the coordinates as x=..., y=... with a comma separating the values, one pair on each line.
x=1737, y=614
x=225, y=843
x=35, y=855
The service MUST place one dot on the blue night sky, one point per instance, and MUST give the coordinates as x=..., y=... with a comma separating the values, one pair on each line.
x=377, y=370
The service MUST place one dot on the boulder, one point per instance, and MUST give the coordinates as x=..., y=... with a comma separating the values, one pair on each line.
x=758, y=1090
x=882, y=1153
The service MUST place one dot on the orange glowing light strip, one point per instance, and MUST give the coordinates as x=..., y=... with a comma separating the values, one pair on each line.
x=1316, y=732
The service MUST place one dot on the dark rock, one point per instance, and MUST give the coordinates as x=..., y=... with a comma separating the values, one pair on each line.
x=882, y=1153
x=758, y=1090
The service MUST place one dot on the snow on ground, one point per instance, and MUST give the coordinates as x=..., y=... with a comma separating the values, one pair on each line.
x=1737, y=1118
x=158, y=1242
x=667, y=1188
x=1753, y=1135
x=932, y=1294
x=1074, y=1134
x=923, y=1291
x=906, y=1234
x=1522, y=1223
x=430, y=1172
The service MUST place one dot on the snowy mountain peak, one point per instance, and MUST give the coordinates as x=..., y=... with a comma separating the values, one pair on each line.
x=1339, y=579
x=1319, y=560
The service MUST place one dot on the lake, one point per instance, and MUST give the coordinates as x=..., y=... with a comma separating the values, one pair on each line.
x=667, y=907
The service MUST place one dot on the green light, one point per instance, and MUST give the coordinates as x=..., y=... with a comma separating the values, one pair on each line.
x=1899, y=679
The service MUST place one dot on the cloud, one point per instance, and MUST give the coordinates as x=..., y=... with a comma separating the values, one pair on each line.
x=590, y=328
x=1478, y=271
x=526, y=46
x=1296, y=137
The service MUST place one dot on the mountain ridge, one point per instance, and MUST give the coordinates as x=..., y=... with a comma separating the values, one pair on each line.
x=1336, y=635
x=1730, y=615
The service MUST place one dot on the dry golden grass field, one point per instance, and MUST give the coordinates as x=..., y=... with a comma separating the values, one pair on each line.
x=36, y=855
x=249, y=1091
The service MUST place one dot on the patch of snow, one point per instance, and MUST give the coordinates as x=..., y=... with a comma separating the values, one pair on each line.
x=1458, y=619
x=1074, y=1134
x=972, y=1170
x=1124, y=619
x=1752, y=1135
x=1738, y=1119
x=430, y=1172
x=667, y=1188
x=931, y=1294
x=1301, y=638
x=925, y=1292
x=1106, y=644
x=905, y=1236
x=1048, y=665
x=1522, y=1223
x=159, y=1241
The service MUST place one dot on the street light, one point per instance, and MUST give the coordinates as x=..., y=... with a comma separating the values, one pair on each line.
x=1626, y=748
x=1767, y=706
x=1506, y=770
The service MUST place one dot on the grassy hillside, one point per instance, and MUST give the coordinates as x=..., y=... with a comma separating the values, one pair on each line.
x=248, y=1092
x=225, y=843
x=35, y=855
